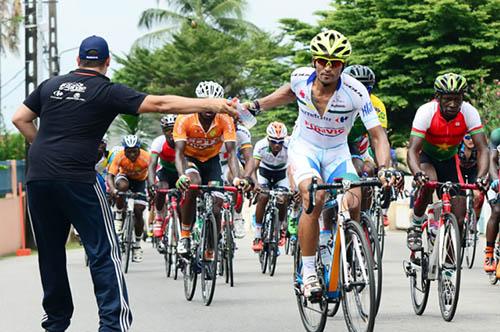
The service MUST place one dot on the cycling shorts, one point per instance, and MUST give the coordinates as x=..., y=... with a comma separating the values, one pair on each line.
x=167, y=176
x=135, y=186
x=210, y=170
x=469, y=174
x=308, y=161
x=271, y=179
x=446, y=170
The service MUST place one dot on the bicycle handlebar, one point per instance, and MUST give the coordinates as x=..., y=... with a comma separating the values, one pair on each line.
x=234, y=190
x=339, y=183
x=463, y=186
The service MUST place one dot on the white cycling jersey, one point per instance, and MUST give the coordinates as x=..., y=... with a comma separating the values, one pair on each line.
x=268, y=160
x=243, y=140
x=351, y=99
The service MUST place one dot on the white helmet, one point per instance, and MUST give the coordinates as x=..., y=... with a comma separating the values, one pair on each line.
x=131, y=141
x=209, y=89
x=105, y=139
x=276, y=130
x=168, y=120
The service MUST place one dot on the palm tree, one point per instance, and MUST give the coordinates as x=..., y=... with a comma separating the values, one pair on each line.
x=10, y=21
x=221, y=15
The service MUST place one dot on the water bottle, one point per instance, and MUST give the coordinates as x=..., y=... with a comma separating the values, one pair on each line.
x=324, y=247
x=246, y=118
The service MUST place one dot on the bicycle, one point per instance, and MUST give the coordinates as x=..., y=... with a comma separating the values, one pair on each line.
x=126, y=237
x=495, y=276
x=226, y=244
x=171, y=231
x=440, y=257
x=291, y=232
x=204, y=239
x=347, y=276
x=271, y=229
x=470, y=233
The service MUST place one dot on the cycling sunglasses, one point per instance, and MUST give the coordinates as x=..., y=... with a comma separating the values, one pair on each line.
x=467, y=137
x=273, y=141
x=323, y=61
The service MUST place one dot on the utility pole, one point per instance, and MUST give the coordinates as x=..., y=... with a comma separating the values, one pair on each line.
x=53, y=50
x=31, y=82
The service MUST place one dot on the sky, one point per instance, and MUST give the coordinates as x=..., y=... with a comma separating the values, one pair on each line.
x=80, y=19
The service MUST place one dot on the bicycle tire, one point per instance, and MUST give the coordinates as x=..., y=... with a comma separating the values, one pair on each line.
x=229, y=249
x=370, y=231
x=303, y=303
x=273, y=248
x=208, y=268
x=354, y=231
x=451, y=228
x=128, y=239
x=470, y=236
x=175, y=236
x=190, y=276
x=419, y=304
x=380, y=230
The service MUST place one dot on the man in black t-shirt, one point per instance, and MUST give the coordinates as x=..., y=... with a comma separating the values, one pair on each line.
x=75, y=110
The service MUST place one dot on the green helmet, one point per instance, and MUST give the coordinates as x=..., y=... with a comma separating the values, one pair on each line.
x=450, y=83
x=495, y=137
x=331, y=44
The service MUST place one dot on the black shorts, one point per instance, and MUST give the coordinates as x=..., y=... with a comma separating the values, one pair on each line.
x=210, y=170
x=269, y=178
x=469, y=174
x=167, y=176
x=446, y=170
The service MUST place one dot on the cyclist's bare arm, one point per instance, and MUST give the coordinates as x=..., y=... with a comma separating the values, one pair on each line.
x=232, y=160
x=152, y=169
x=381, y=146
x=281, y=96
x=482, y=154
x=293, y=186
x=413, y=157
x=23, y=120
x=184, y=105
x=180, y=159
x=494, y=164
x=249, y=164
x=110, y=179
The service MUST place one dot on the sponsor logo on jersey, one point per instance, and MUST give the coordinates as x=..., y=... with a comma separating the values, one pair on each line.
x=315, y=115
x=367, y=109
x=201, y=143
x=73, y=87
x=325, y=131
x=341, y=119
x=302, y=93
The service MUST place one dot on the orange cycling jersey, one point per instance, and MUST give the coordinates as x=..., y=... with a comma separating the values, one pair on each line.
x=200, y=144
x=137, y=170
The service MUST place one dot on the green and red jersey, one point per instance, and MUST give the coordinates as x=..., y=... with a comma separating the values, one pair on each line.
x=442, y=137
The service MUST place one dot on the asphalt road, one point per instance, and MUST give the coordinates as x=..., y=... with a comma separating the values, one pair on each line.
x=256, y=303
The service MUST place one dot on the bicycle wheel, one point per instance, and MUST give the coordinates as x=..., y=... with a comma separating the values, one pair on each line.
x=167, y=251
x=371, y=236
x=359, y=290
x=378, y=220
x=419, y=284
x=333, y=308
x=228, y=248
x=175, y=222
x=470, y=237
x=449, y=269
x=129, y=230
x=190, y=274
x=273, y=248
x=313, y=315
x=208, y=265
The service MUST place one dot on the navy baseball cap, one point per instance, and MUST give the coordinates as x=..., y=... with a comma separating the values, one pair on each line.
x=94, y=48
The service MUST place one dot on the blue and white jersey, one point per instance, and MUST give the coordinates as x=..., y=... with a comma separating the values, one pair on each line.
x=350, y=100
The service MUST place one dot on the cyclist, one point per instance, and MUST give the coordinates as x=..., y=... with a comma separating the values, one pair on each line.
x=467, y=155
x=437, y=131
x=103, y=157
x=162, y=153
x=492, y=228
x=129, y=170
x=198, y=140
x=271, y=161
x=318, y=146
x=244, y=153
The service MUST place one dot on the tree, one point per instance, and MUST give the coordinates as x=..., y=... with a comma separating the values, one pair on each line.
x=246, y=67
x=11, y=144
x=10, y=20
x=220, y=15
x=409, y=43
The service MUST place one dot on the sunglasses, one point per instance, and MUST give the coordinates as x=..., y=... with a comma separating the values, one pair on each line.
x=323, y=62
x=273, y=141
x=467, y=137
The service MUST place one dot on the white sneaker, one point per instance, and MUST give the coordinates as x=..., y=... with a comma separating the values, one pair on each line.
x=137, y=254
x=118, y=226
x=312, y=288
x=239, y=227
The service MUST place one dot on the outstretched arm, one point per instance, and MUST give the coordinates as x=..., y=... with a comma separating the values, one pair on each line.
x=281, y=96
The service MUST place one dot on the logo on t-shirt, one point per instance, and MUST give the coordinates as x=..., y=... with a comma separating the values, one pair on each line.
x=367, y=109
x=325, y=131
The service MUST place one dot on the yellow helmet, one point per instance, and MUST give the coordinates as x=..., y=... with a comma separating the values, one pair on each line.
x=450, y=83
x=331, y=44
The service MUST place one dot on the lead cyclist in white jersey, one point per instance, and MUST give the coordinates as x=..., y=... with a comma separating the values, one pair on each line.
x=328, y=103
